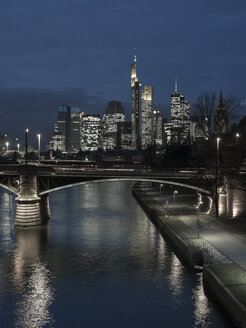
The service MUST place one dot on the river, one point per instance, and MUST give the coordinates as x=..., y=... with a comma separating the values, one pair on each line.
x=100, y=262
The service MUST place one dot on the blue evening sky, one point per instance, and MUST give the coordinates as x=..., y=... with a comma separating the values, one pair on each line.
x=80, y=51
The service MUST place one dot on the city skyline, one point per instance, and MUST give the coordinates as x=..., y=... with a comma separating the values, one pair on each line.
x=85, y=59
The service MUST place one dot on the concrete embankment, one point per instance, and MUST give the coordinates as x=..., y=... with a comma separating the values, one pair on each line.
x=225, y=280
x=227, y=283
x=182, y=237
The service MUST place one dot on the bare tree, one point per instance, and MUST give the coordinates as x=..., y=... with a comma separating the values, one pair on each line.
x=205, y=108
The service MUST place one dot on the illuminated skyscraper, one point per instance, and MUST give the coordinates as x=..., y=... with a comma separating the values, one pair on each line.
x=115, y=113
x=146, y=117
x=136, y=106
x=158, y=128
x=180, y=119
x=142, y=111
x=68, y=125
x=90, y=129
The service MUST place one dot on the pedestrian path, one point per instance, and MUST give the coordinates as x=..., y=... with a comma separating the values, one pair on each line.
x=228, y=238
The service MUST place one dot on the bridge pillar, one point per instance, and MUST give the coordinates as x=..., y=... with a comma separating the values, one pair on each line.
x=45, y=207
x=29, y=205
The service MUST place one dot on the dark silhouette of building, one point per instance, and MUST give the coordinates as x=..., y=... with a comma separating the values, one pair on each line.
x=221, y=118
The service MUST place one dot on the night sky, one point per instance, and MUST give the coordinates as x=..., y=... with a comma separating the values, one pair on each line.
x=80, y=51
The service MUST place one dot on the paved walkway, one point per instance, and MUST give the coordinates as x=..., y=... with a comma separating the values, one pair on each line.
x=227, y=236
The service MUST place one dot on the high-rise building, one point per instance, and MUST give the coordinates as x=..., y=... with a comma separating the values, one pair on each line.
x=180, y=119
x=136, y=106
x=159, y=134
x=68, y=125
x=115, y=113
x=142, y=111
x=90, y=131
x=221, y=118
x=124, y=135
x=57, y=140
x=146, y=117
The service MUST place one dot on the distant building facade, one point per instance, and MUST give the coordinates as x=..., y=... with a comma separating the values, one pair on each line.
x=124, y=136
x=90, y=132
x=159, y=134
x=68, y=125
x=57, y=140
x=146, y=117
x=115, y=113
x=178, y=130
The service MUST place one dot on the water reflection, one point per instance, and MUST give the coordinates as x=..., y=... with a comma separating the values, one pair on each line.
x=7, y=204
x=202, y=309
x=32, y=279
x=108, y=261
x=176, y=277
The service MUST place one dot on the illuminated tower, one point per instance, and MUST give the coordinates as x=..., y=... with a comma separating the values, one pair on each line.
x=221, y=118
x=142, y=111
x=146, y=116
x=136, y=106
x=180, y=118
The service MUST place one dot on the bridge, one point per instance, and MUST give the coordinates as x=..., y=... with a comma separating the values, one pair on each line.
x=32, y=184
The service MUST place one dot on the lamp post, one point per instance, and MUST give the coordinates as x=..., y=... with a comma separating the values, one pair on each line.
x=217, y=173
x=198, y=218
x=7, y=146
x=238, y=152
x=39, y=137
x=26, y=145
x=174, y=193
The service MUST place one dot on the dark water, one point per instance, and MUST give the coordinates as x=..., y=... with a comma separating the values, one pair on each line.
x=99, y=263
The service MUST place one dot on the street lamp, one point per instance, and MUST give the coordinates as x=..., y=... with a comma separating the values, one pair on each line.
x=26, y=144
x=174, y=193
x=217, y=173
x=7, y=146
x=218, y=153
x=39, y=137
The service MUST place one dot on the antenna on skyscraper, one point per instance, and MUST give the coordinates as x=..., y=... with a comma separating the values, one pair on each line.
x=135, y=55
x=176, y=85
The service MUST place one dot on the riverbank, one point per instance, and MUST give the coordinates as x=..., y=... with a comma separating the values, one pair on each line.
x=222, y=276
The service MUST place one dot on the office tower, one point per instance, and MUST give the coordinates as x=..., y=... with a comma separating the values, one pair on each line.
x=180, y=119
x=124, y=135
x=75, y=130
x=146, y=117
x=136, y=106
x=115, y=113
x=159, y=134
x=57, y=140
x=89, y=131
x=221, y=118
x=68, y=125
x=142, y=107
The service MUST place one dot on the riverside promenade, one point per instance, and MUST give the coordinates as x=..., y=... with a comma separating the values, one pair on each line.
x=217, y=246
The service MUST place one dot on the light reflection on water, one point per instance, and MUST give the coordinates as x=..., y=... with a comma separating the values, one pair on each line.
x=103, y=259
x=32, y=279
x=202, y=309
